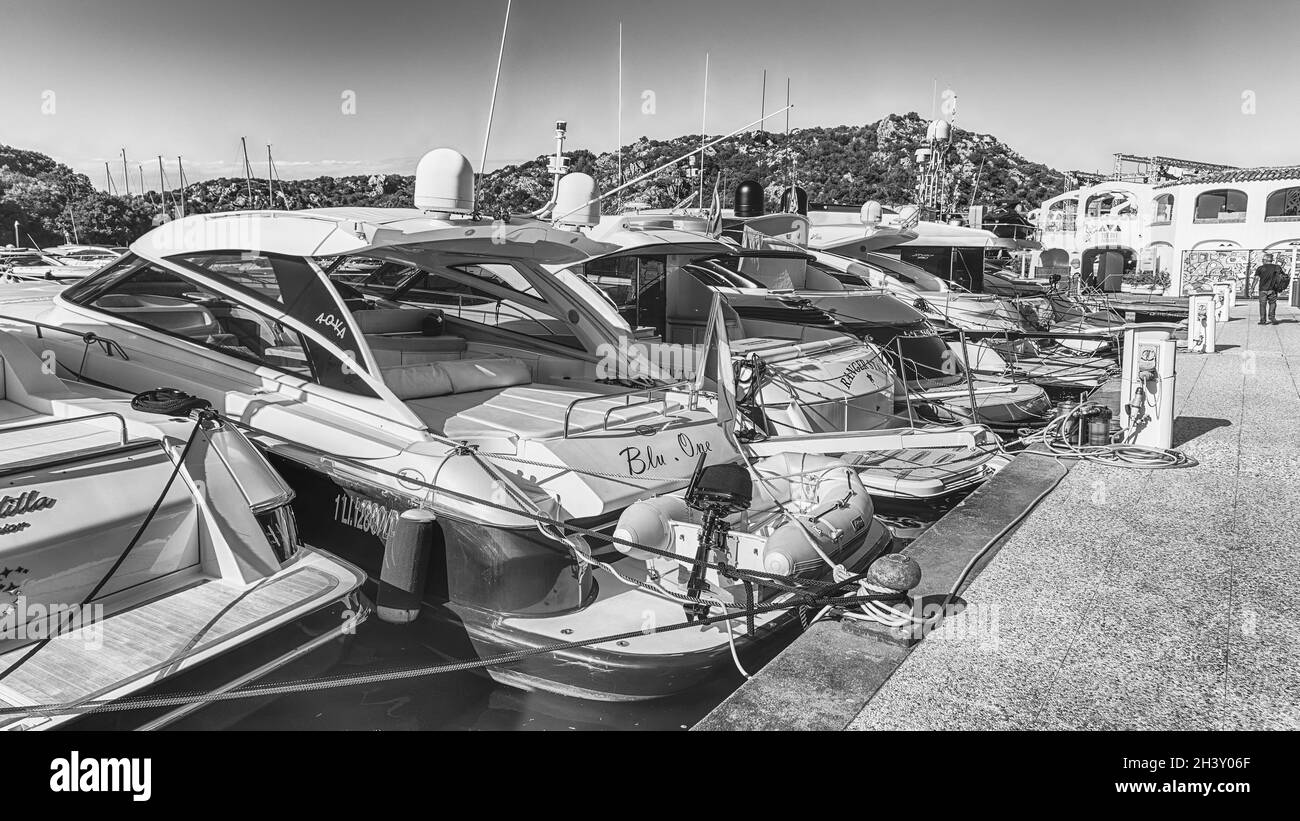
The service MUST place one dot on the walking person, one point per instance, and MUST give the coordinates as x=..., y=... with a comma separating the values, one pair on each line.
x=1272, y=279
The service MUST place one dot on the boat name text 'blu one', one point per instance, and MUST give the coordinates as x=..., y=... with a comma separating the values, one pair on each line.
x=639, y=460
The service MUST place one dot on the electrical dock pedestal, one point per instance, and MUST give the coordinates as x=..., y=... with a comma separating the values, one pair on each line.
x=1147, y=384
x=1112, y=599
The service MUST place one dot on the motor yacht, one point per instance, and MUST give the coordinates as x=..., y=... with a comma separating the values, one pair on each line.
x=526, y=459
x=30, y=264
x=137, y=544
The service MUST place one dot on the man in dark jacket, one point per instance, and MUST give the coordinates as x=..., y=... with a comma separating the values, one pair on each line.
x=1270, y=282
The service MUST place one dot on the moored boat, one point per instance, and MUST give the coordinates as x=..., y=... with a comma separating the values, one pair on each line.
x=136, y=544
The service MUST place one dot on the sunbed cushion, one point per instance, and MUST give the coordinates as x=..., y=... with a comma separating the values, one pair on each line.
x=483, y=374
x=428, y=379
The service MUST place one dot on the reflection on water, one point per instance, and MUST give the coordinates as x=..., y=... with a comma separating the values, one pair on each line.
x=455, y=701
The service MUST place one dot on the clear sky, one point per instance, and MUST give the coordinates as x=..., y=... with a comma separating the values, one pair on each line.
x=1064, y=82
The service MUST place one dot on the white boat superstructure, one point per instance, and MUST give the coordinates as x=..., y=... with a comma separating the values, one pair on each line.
x=134, y=545
x=371, y=410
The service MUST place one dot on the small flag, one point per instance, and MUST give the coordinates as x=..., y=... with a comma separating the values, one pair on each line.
x=716, y=364
x=715, y=210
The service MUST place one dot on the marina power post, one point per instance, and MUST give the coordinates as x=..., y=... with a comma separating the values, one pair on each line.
x=1147, y=384
x=1202, y=325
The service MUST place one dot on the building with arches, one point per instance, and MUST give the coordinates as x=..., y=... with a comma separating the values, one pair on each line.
x=1179, y=236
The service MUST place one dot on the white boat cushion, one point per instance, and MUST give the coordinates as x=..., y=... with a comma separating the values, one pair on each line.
x=417, y=381
x=406, y=350
x=429, y=379
x=484, y=374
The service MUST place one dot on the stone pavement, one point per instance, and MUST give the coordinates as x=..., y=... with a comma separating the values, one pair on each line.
x=1142, y=599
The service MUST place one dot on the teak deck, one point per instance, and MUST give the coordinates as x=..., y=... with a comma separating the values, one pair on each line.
x=145, y=642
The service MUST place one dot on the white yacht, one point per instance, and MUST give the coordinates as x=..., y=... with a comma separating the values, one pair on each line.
x=135, y=545
x=371, y=410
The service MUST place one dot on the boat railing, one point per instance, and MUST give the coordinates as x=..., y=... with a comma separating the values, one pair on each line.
x=109, y=346
x=67, y=420
x=47, y=459
x=627, y=396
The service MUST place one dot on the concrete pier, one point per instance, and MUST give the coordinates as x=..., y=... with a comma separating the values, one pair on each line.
x=1127, y=599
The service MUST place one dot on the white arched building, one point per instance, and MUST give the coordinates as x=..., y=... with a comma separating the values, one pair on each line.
x=1177, y=237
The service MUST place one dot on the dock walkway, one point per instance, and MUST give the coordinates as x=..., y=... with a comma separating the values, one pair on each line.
x=1128, y=599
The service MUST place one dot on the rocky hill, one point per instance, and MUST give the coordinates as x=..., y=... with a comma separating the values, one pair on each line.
x=844, y=164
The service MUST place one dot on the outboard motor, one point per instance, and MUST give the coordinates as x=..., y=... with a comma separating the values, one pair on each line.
x=717, y=491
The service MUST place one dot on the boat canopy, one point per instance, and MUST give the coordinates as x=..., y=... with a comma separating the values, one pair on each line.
x=943, y=235
x=332, y=232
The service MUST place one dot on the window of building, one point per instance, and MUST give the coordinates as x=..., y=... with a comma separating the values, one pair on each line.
x=1221, y=205
x=1283, y=204
x=1164, y=210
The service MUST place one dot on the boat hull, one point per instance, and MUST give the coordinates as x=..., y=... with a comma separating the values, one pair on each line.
x=651, y=666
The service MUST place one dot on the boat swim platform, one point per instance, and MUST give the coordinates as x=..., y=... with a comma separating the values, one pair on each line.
x=144, y=643
x=1124, y=600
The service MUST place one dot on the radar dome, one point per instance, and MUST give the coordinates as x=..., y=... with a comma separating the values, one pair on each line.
x=577, y=200
x=871, y=213
x=942, y=130
x=444, y=182
x=749, y=199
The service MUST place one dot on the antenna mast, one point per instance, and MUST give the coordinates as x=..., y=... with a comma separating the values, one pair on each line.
x=620, y=105
x=793, y=200
x=704, y=116
x=496, y=81
x=669, y=164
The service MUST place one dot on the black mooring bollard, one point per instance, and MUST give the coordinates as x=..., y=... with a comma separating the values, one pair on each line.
x=406, y=561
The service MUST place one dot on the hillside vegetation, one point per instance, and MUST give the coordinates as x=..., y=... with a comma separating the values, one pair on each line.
x=845, y=164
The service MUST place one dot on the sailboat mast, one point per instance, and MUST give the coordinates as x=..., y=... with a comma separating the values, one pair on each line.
x=126, y=175
x=162, y=185
x=248, y=172
x=270, y=183
x=180, y=172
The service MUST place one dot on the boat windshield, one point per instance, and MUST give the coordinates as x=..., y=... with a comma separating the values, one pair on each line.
x=926, y=361
x=917, y=278
x=495, y=292
x=719, y=273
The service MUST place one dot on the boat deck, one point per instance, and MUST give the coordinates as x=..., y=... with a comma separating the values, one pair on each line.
x=140, y=645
